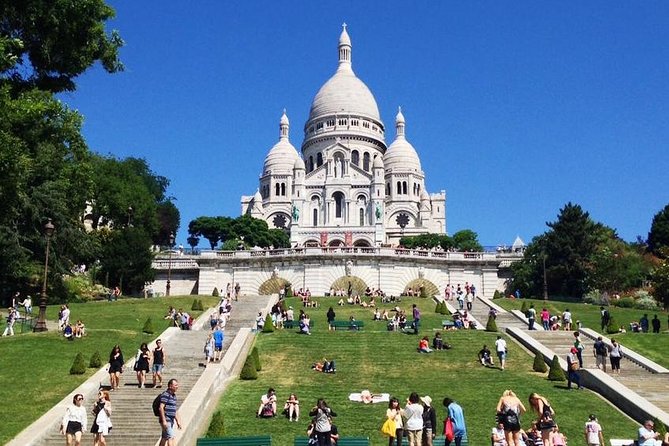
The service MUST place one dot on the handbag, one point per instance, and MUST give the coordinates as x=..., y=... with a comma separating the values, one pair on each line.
x=449, y=432
x=573, y=366
x=389, y=428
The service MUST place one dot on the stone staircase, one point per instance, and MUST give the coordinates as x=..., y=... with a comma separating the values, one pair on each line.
x=132, y=415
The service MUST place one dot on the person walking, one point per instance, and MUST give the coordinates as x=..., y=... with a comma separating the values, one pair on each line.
x=509, y=410
x=159, y=358
x=604, y=317
x=656, y=324
x=579, y=348
x=615, y=356
x=416, y=318
x=74, y=421
x=116, y=363
x=500, y=348
x=545, y=319
x=531, y=317
x=429, y=421
x=331, y=315
x=142, y=361
x=414, y=425
x=457, y=417
x=546, y=416
x=218, y=343
x=601, y=352
x=11, y=319
x=168, y=414
x=593, y=432
x=101, y=418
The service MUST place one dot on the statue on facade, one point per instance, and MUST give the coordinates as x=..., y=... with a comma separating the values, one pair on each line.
x=296, y=214
x=349, y=267
x=275, y=273
x=421, y=272
x=378, y=211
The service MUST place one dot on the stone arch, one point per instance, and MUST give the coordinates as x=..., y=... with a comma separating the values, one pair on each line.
x=362, y=243
x=336, y=243
x=272, y=286
x=429, y=288
x=358, y=285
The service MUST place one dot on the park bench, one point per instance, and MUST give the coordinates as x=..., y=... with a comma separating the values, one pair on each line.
x=296, y=323
x=260, y=440
x=621, y=442
x=440, y=439
x=343, y=441
x=348, y=325
x=447, y=323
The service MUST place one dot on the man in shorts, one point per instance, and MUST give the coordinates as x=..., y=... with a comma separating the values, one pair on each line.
x=500, y=347
x=158, y=364
x=168, y=414
x=218, y=343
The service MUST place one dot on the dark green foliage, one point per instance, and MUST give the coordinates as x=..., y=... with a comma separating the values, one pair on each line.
x=256, y=358
x=612, y=326
x=255, y=232
x=661, y=280
x=539, y=364
x=197, y=305
x=269, y=326
x=658, y=237
x=556, y=373
x=624, y=302
x=200, y=305
x=660, y=427
x=249, y=371
x=491, y=325
x=78, y=366
x=284, y=305
x=437, y=308
x=96, y=361
x=497, y=294
x=524, y=307
x=215, y=292
x=148, y=326
x=423, y=292
x=465, y=240
x=289, y=289
x=216, y=427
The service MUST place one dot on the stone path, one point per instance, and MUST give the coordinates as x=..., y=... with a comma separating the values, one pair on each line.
x=132, y=416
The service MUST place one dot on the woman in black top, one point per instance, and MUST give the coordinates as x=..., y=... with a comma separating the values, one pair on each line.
x=142, y=364
x=115, y=366
x=331, y=317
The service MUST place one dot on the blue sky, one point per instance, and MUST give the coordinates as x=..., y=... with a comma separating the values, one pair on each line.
x=515, y=108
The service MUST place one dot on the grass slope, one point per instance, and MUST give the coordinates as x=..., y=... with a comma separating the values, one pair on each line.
x=383, y=361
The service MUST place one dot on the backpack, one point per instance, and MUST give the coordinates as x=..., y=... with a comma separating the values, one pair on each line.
x=156, y=405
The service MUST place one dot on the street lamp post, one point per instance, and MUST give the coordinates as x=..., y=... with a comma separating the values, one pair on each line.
x=169, y=267
x=41, y=319
x=130, y=211
x=545, y=282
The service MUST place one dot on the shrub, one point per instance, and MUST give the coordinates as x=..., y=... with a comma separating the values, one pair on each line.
x=200, y=305
x=539, y=364
x=289, y=289
x=423, y=291
x=497, y=295
x=96, y=361
x=556, y=373
x=660, y=427
x=215, y=293
x=148, y=326
x=216, y=428
x=269, y=326
x=613, y=326
x=284, y=305
x=646, y=303
x=256, y=358
x=625, y=302
x=593, y=297
x=437, y=308
x=78, y=366
x=444, y=309
x=249, y=371
x=491, y=325
x=524, y=307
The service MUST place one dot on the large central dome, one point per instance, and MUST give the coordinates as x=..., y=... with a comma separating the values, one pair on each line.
x=344, y=93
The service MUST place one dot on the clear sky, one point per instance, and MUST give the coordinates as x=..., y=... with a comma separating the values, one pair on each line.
x=515, y=108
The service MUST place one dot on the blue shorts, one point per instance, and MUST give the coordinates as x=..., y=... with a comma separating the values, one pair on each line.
x=169, y=432
x=157, y=368
x=501, y=355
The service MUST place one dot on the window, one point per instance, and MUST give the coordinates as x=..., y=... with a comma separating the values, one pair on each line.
x=339, y=204
x=365, y=162
x=399, y=188
x=354, y=122
x=404, y=188
x=387, y=188
x=283, y=189
x=276, y=189
x=315, y=217
x=362, y=217
x=319, y=159
x=319, y=126
x=330, y=123
x=355, y=157
x=342, y=122
x=311, y=163
x=365, y=124
x=311, y=129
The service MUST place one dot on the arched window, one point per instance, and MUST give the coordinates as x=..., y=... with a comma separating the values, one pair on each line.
x=399, y=188
x=404, y=188
x=387, y=188
x=365, y=162
x=315, y=217
x=311, y=163
x=355, y=157
x=319, y=159
x=339, y=204
x=362, y=217
x=276, y=189
x=283, y=189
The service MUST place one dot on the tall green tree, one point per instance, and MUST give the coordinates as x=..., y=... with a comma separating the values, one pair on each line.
x=658, y=237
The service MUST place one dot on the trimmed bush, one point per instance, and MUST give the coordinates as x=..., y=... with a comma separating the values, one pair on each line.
x=216, y=428
x=96, y=361
x=497, y=295
x=556, y=373
x=289, y=289
x=437, y=308
x=256, y=358
x=194, y=307
x=268, y=327
x=491, y=325
x=215, y=293
x=612, y=327
x=624, y=302
x=524, y=307
x=78, y=366
x=249, y=371
x=539, y=365
x=148, y=326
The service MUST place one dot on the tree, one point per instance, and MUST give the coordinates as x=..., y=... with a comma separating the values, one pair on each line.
x=467, y=240
x=661, y=279
x=126, y=258
x=658, y=237
x=52, y=42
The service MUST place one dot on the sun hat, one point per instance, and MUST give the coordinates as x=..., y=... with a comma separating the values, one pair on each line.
x=427, y=400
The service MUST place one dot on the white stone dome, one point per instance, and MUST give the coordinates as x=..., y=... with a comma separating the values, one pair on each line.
x=401, y=155
x=282, y=157
x=299, y=164
x=344, y=93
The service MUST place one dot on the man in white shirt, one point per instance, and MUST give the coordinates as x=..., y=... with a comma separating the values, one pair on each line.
x=593, y=432
x=566, y=319
x=500, y=347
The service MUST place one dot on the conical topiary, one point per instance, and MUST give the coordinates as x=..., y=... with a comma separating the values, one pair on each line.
x=216, y=428
x=556, y=373
x=215, y=293
x=200, y=305
x=78, y=366
x=491, y=325
x=249, y=370
x=612, y=327
x=284, y=305
x=269, y=326
x=148, y=326
x=437, y=308
x=256, y=358
x=539, y=364
x=524, y=307
x=497, y=295
x=96, y=361
x=194, y=307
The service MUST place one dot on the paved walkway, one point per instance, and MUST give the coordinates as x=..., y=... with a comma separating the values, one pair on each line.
x=132, y=416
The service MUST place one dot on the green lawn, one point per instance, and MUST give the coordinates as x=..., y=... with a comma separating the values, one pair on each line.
x=383, y=361
x=651, y=345
x=35, y=366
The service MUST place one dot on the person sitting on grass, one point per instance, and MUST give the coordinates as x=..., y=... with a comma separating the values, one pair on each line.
x=267, y=407
x=79, y=329
x=485, y=356
x=304, y=325
x=438, y=342
x=68, y=332
x=292, y=408
x=424, y=345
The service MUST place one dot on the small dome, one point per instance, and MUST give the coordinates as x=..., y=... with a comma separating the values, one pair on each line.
x=344, y=39
x=299, y=164
x=378, y=162
x=282, y=157
x=400, y=154
x=257, y=197
x=424, y=196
